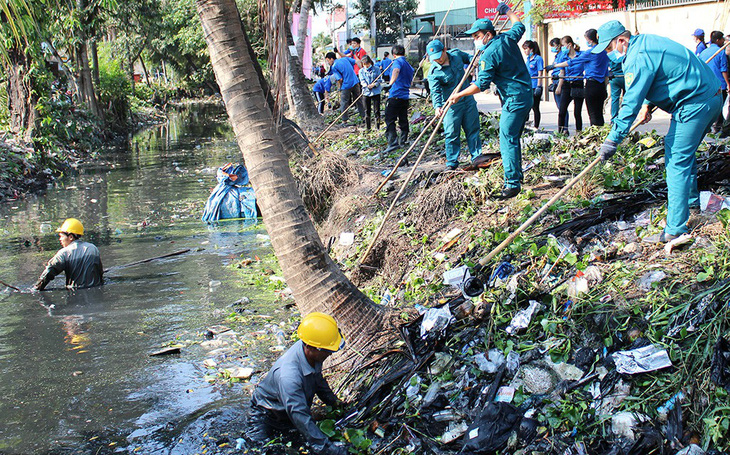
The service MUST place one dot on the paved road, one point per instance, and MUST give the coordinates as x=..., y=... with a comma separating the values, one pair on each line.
x=487, y=102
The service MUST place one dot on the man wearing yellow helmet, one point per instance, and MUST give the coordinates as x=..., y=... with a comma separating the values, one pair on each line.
x=282, y=401
x=78, y=260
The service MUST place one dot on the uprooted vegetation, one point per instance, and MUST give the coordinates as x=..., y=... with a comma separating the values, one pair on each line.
x=593, y=287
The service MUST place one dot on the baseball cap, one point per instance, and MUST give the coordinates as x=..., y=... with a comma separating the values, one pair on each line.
x=606, y=33
x=481, y=24
x=434, y=49
x=698, y=32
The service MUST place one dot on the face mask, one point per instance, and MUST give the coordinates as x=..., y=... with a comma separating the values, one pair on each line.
x=479, y=44
x=554, y=50
x=616, y=56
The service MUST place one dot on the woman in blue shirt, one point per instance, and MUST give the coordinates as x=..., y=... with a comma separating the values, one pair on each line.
x=595, y=68
x=570, y=87
x=560, y=56
x=370, y=81
x=535, y=66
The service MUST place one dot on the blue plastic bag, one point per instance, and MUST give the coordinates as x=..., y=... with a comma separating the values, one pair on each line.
x=230, y=198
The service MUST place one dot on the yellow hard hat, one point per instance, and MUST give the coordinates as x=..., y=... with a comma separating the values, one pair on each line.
x=320, y=330
x=72, y=226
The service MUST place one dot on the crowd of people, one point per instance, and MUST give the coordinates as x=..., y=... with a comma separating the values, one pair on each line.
x=574, y=76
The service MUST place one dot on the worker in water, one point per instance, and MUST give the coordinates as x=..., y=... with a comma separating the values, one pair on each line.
x=668, y=76
x=501, y=62
x=446, y=72
x=282, y=401
x=78, y=260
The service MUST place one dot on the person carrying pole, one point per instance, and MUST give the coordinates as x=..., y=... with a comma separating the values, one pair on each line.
x=342, y=70
x=446, y=72
x=501, y=62
x=595, y=67
x=398, y=96
x=370, y=82
x=80, y=261
x=282, y=400
x=660, y=72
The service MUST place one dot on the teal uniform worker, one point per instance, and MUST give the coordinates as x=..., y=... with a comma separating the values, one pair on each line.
x=282, y=401
x=447, y=70
x=501, y=62
x=616, y=79
x=666, y=75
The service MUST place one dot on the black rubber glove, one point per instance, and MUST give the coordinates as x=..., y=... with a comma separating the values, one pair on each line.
x=549, y=67
x=502, y=9
x=608, y=149
x=538, y=91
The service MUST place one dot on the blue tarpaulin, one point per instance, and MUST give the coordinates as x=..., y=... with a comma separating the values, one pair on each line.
x=231, y=198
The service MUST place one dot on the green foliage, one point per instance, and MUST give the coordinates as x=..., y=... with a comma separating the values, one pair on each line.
x=390, y=17
x=114, y=90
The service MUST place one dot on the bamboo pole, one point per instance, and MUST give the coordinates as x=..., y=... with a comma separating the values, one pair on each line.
x=440, y=118
x=311, y=144
x=559, y=194
x=403, y=157
x=143, y=261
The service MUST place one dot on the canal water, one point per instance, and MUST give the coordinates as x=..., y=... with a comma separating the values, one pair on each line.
x=75, y=366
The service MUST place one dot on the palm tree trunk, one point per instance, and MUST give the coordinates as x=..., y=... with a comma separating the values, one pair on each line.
x=22, y=98
x=302, y=32
x=317, y=283
x=304, y=107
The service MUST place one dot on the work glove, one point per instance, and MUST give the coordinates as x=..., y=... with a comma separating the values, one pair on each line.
x=538, y=91
x=502, y=9
x=608, y=149
x=549, y=67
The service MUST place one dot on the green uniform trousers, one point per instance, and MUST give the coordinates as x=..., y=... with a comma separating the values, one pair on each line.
x=515, y=110
x=462, y=115
x=690, y=123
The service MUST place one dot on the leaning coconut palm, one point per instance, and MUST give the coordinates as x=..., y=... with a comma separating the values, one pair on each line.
x=318, y=284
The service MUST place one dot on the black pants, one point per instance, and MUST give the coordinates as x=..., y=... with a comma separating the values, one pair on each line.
x=596, y=95
x=319, y=97
x=718, y=125
x=385, y=78
x=536, y=109
x=372, y=103
x=396, y=109
x=265, y=425
x=566, y=97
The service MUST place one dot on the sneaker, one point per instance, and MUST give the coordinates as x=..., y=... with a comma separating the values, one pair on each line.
x=510, y=192
x=662, y=237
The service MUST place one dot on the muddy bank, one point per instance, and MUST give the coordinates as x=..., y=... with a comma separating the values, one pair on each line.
x=576, y=293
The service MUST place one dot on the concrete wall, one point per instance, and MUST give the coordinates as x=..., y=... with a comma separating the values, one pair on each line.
x=675, y=22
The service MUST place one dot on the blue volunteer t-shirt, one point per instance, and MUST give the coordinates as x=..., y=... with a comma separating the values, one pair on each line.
x=535, y=65
x=343, y=70
x=322, y=85
x=401, y=88
x=595, y=66
x=385, y=66
x=574, y=72
x=560, y=57
x=717, y=64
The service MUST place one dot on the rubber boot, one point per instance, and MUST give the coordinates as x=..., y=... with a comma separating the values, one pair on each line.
x=392, y=142
x=403, y=139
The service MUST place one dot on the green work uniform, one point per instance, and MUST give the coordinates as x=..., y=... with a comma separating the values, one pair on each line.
x=502, y=64
x=671, y=77
x=462, y=115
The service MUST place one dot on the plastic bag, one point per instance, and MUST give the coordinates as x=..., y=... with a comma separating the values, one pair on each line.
x=720, y=370
x=641, y=360
x=435, y=320
x=491, y=431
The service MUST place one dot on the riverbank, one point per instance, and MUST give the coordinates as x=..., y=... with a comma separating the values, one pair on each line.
x=61, y=148
x=571, y=296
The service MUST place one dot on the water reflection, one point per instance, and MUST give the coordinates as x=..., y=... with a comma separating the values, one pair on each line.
x=76, y=372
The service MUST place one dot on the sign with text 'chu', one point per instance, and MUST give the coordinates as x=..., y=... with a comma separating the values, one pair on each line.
x=486, y=8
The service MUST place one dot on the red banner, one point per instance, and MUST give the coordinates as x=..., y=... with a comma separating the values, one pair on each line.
x=577, y=7
x=487, y=9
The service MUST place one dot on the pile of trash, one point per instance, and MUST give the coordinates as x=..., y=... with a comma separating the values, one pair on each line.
x=459, y=382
